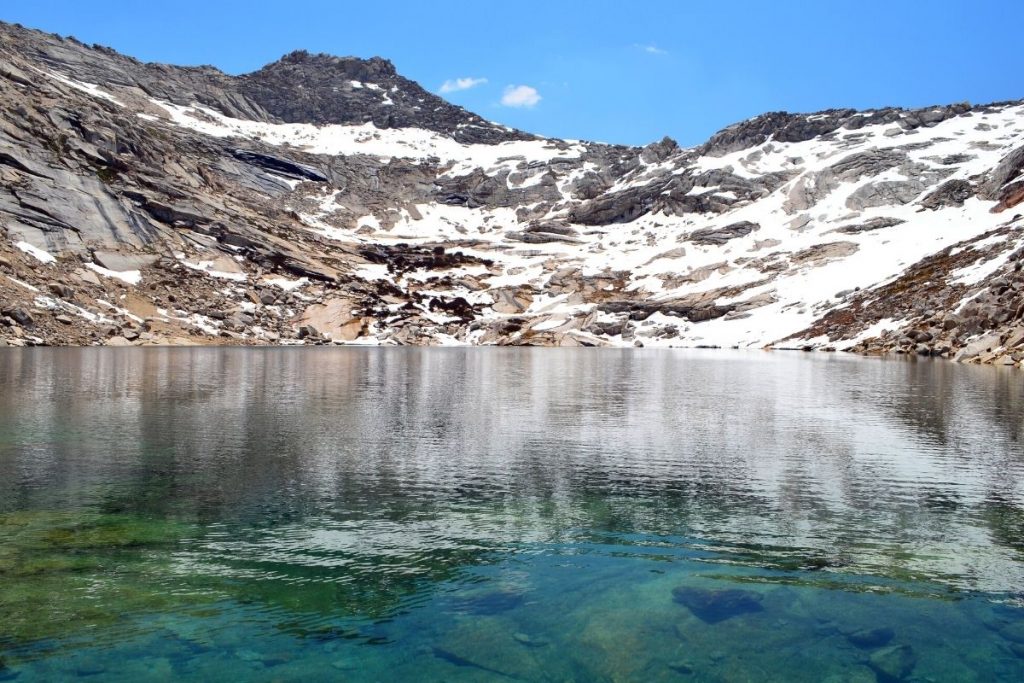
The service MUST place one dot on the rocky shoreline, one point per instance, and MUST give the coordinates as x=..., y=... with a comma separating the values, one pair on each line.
x=39, y=309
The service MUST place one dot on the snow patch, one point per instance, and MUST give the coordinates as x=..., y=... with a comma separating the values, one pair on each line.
x=336, y=139
x=132, y=277
x=207, y=267
x=35, y=252
x=285, y=283
x=88, y=88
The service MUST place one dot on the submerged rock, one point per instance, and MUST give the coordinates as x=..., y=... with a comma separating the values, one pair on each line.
x=459, y=661
x=856, y=674
x=893, y=663
x=713, y=606
x=1013, y=632
x=530, y=641
x=683, y=668
x=868, y=639
x=89, y=666
x=494, y=602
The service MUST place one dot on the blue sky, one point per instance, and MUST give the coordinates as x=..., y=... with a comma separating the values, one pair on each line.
x=601, y=70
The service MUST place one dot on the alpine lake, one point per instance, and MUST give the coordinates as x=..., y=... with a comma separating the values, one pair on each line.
x=384, y=514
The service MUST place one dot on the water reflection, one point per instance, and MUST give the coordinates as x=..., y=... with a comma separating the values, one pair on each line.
x=359, y=481
x=868, y=463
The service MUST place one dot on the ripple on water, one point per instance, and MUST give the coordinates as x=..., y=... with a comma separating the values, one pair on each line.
x=533, y=514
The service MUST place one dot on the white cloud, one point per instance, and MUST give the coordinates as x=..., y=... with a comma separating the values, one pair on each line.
x=651, y=49
x=457, y=84
x=520, y=96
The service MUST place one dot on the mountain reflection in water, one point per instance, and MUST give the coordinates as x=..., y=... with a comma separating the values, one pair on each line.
x=315, y=484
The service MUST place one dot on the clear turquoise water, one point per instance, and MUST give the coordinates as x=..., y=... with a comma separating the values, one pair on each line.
x=501, y=514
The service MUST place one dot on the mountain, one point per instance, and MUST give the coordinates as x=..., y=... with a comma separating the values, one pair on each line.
x=325, y=199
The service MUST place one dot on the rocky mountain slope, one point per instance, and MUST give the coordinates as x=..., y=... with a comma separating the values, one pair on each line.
x=329, y=200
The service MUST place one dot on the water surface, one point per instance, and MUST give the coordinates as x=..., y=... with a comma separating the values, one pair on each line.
x=508, y=514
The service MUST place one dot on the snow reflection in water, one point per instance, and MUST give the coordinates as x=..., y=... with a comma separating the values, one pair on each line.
x=479, y=513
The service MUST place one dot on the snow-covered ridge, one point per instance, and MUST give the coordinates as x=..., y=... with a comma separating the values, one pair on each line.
x=793, y=266
x=402, y=143
x=378, y=234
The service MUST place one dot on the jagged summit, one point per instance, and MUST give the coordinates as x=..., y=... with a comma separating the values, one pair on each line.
x=319, y=88
x=329, y=199
x=354, y=67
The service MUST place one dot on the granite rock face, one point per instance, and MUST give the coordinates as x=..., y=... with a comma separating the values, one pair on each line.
x=328, y=199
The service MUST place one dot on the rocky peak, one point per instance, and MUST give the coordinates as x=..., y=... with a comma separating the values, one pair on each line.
x=659, y=151
x=325, y=89
x=369, y=70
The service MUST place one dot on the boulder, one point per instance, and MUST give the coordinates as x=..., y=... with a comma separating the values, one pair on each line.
x=88, y=276
x=659, y=151
x=335, y=319
x=118, y=341
x=19, y=315
x=1006, y=171
x=867, y=163
x=511, y=300
x=950, y=193
x=822, y=253
x=1015, y=338
x=712, y=606
x=869, y=225
x=885, y=193
x=719, y=236
x=61, y=290
x=308, y=332
x=1011, y=196
x=868, y=639
x=893, y=663
x=121, y=262
x=985, y=344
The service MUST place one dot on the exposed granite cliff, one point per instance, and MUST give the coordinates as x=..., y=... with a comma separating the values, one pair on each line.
x=325, y=199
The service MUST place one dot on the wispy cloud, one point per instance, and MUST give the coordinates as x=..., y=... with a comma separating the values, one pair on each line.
x=650, y=49
x=522, y=96
x=457, y=84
